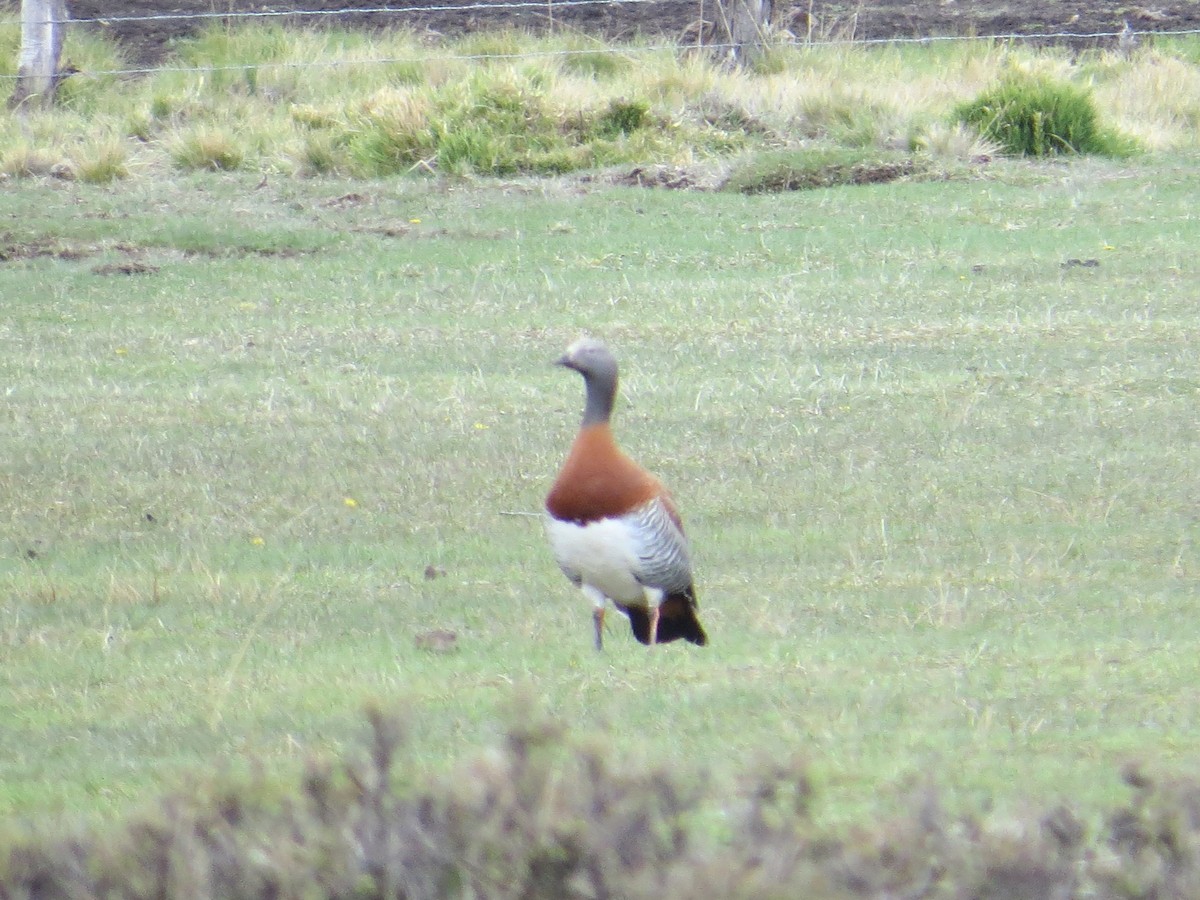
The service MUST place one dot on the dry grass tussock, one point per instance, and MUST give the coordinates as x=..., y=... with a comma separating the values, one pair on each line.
x=273, y=94
x=544, y=816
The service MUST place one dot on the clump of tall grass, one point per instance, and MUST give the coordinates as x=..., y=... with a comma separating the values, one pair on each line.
x=22, y=159
x=847, y=118
x=319, y=153
x=390, y=132
x=495, y=122
x=206, y=147
x=102, y=160
x=955, y=141
x=623, y=117
x=1034, y=115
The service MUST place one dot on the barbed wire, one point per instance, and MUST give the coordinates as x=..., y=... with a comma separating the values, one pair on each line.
x=372, y=11
x=554, y=4
x=541, y=5
x=316, y=13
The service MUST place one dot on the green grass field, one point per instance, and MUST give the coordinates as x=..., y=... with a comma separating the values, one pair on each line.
x=934, y=443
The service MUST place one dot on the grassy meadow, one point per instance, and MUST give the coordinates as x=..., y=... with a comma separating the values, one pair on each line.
x=934, y=442
x=941, y=482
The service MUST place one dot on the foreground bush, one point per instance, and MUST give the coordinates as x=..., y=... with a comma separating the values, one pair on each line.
x=541, y=818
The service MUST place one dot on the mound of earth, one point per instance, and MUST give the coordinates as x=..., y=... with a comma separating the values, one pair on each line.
x=146, y=27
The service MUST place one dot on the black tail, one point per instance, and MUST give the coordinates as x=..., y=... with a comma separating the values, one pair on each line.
x=676, y=619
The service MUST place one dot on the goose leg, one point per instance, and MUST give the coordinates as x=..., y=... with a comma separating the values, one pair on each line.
x=599, y=604
x=654, y=599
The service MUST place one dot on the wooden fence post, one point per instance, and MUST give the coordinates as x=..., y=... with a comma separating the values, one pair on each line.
x=43, y=26
x=742, y=24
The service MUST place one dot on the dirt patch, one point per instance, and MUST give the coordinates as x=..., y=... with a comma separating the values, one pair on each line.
x=12, y=251
x=149, y=39
x=672, y=177
x=803, y=179
x=125, y=268
x=779, y=177
x=346, y=201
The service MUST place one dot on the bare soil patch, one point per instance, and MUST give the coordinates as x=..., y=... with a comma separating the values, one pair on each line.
x=13, y=250
x=132, y=267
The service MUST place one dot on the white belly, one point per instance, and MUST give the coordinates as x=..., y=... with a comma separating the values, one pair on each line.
x=600, y=553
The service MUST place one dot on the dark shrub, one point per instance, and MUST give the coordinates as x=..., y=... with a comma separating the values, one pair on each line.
x=1031, y=115
x=623, y=117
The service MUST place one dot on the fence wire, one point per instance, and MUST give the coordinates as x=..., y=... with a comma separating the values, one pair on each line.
x=549, y=5
x=365, y=11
